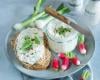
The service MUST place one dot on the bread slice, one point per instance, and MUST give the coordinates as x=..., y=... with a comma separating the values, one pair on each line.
x=42, y=64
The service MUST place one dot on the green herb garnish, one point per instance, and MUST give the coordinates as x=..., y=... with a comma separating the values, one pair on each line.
x=61, y=30
x=29, y=42
x=36, y=40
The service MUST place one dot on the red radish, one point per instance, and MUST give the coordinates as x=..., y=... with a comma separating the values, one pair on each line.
x=75, y=61
x=81, y=44
x=65, y=63
x=55, y=64
x=82, y=48
x=61, y=55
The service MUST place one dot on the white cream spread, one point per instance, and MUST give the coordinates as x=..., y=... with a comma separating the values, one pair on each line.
x=32, y=55
x=59, y=42
x=51, y=30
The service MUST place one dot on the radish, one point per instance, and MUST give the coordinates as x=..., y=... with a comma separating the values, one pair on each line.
x=55, y=64
x=81, y=44
x=82, y=48
x=61, y=55
x=75, y=61
x=65, y=63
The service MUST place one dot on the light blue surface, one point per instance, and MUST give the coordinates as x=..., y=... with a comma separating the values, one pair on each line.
x=12, y=11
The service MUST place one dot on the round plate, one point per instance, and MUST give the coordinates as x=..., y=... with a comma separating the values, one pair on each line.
x=50, y=74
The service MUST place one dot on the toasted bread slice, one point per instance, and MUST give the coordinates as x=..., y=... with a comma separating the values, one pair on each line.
x=42, y=64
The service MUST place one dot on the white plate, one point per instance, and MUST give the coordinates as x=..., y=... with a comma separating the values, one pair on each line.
x=50, y=74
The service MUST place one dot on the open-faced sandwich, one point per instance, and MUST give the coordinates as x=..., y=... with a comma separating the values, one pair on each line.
x=30, y=49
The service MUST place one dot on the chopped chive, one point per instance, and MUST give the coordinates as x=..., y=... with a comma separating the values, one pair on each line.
x=62, y=31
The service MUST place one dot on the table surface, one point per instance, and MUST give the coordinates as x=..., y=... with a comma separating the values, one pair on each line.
x=13, y=11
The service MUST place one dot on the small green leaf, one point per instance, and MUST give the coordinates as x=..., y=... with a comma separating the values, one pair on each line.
x=70, y=54
x=37, y=40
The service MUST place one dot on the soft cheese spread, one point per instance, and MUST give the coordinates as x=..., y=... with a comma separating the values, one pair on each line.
x=29, y=45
